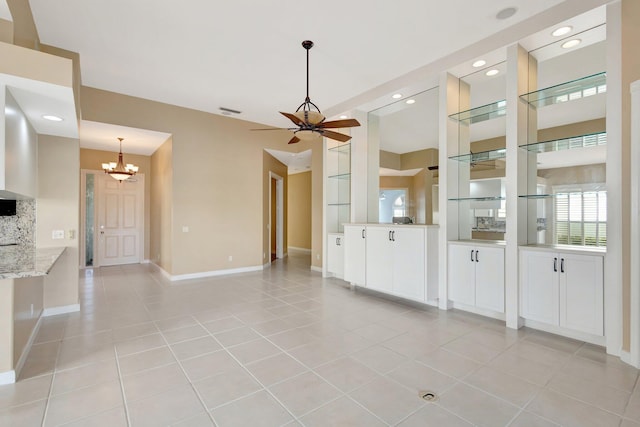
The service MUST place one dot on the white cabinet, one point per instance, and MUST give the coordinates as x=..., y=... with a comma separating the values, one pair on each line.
x=335, y=254
x=355, y=254
x=476, y=276
x=396, y=261
x=563, y=289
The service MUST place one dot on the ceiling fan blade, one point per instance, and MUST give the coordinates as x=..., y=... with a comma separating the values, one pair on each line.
x=293, y=118
x=275, y=129
x=335, y=135
x=294, y=140
x=339, y=124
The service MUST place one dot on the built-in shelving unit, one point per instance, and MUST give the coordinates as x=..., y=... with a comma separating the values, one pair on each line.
x=569, y=91
x=338, y=185
x=482, y=113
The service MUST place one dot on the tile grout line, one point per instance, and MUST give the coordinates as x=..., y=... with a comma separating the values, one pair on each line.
x=53, y=377
x=124, y=396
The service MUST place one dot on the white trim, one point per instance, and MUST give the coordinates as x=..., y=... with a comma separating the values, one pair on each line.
x=316, y=269
x=62, y=309
x=576, y=335
x=205, y=274
x=8, y=377
x=145, y=261
x=626, y=357
x=633, y=356
x=477, y=310
x=279, y=220
x=299, y=250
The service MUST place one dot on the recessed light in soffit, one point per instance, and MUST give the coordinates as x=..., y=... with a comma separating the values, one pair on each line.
x=571, y=43
x=561, y=31
x=479, y=63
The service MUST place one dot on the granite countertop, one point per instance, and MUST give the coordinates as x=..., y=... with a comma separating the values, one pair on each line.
x=27, y=261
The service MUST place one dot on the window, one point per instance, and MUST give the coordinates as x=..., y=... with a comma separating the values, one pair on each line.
x=580, y=217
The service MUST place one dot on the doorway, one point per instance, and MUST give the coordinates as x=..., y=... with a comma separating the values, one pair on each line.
x=113, y=218
x=276, y=214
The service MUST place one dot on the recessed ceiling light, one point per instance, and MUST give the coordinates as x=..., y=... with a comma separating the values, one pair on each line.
x=410, y=101
x=479, y=63
x=571, y=43
x=343, y=116
x=492, y=72
x=52, y=118
x=396, y=96
x=561, y=31
x=506, y=13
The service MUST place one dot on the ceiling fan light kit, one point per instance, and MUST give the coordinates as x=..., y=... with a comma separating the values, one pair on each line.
x=309, y=120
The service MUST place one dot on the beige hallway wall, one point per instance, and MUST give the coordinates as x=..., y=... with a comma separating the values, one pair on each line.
x=216, y=180
x=299, y=212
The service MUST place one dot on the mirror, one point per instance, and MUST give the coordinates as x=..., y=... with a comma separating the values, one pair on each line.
x=406, y=134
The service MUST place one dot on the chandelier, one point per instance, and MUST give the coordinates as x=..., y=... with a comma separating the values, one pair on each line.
x=119, y=170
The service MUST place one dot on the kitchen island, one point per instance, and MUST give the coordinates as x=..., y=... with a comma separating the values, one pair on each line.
x=24, y=272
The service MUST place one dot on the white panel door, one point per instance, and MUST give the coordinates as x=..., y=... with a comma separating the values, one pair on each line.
x=490, y=278
x=581, y=293
x=409, y=258
x=335, y=254
x=462, y=274
x=379, y=259
x=119, y=222
x=539, y=286
x=355, y=246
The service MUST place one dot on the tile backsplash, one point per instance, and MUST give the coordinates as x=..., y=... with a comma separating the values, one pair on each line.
x=19, y=228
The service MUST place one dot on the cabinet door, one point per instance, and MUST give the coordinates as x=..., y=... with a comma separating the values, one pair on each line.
x=490, y=278
x=409, y=258
x=539, y=286
x=581, y=293
x=379, y=259
x=335, y=254
x=355, y=254
x=462, y=272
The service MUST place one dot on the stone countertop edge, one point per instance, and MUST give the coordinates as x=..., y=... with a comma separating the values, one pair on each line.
x=17, y=262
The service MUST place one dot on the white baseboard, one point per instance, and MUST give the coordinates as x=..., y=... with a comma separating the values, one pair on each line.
x=205, y=274
x=146, y=261
x=625, y=356
x=27, y=347
x=316, y=269
x=8, y=377
x=63, y=309
x=299, y=250
x=569, y=333
x=266, y=265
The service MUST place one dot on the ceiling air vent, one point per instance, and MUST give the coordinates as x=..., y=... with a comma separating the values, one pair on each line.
x=228, y=111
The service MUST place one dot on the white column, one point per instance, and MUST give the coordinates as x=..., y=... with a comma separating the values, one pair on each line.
x=635, y=226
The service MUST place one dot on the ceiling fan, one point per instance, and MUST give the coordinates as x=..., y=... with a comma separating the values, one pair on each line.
x=309, y=120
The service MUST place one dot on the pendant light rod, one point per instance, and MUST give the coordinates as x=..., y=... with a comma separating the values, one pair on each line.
x=307, y=44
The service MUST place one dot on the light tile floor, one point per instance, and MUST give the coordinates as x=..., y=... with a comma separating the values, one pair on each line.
x=286, y=347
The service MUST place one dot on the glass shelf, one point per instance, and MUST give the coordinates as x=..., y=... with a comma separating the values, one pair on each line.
x=569, y=91
x=477, y=199
x=560, y=193
x=342, y=148
x=581, y=141
x=481, y=156
x=481, y=114
x=338, y=204
x=340, y=176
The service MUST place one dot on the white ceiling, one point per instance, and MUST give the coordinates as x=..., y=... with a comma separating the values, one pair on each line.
x=102, y=136
x=296, y=162
x=246, y=55
x=4, y=11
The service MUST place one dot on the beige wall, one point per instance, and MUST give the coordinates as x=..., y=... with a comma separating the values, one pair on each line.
x=207, y=153
x=575, y=175
x=58, y=208
x=271, y=164
x=6, y=31
x=93, y=159
x=299, y=210
x=25, y=33
x=160, y=238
